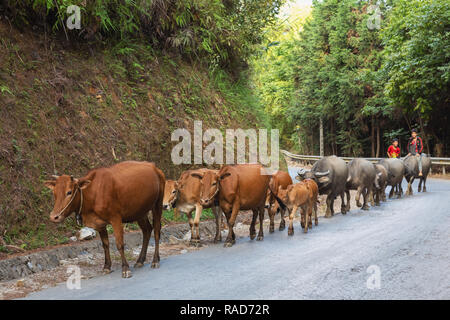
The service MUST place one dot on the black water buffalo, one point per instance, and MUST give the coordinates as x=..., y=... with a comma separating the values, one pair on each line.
x=379, y=186
x=412, y=172
x=330, y=173
x=361, y=177
x=396, y=170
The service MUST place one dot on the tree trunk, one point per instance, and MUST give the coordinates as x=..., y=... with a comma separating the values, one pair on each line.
x=425, y=136
x=321, y=137
x=378, y=139
x=372, y=136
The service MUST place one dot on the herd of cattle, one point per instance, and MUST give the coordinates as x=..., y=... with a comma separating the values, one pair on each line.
x=128, y=191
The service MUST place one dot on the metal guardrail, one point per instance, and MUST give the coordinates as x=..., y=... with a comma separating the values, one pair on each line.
x=434, y=160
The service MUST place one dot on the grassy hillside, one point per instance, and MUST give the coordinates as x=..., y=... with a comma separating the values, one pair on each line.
x=68, y=108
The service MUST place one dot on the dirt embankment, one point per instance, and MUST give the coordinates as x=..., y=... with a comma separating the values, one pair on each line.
x=70, y=107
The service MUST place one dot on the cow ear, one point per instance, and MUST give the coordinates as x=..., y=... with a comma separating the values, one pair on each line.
x=223, y=176
x=197, y=175
x=83, y=184
x=50, y=184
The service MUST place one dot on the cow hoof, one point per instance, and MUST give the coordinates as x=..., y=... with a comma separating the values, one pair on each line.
x=252, y=236
x=138, y=265
x=358, y=204
x=343, y=211
x=126, y=274
x=424, y=189
x=194, y=242
x=316, y=222
x=271, y=230
x=377, y=204
x=217, y=240
x=328, y=215
x=290, y=232
x=106, y=271
x=155, y=265
x=281, y=228
x=260, y=238
x=228, y=244
x=366, y=207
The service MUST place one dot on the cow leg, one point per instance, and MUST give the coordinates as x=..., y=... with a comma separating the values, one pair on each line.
x=329, y=204
x=383, y=194
x=282, y=222
x=302, y=217
x=310, y=217
x=377, y=197
x=198, y=213
x=191, y=225
x=358, y=196
x=305, y=211
x=332, y=205
x=146, y=233
x=157, y=214
x=424, y=184
x=316, y=220
x=272, y=219
x=218, y=216
x=366, y=194
x=371, y=198
x=400, y=190
x=231, y=238
x=105, y=242
x=118, y=234
x=343, y=206
x=252, y=225
x=291, y=220
x=347, y=205
x=261, y=224
x=409, y=190
x=419, y=187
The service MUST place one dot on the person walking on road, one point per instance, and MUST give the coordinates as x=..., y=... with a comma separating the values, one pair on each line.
x=415, y=147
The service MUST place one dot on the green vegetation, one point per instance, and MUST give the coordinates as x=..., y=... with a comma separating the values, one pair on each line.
x=115, y=95
x=365, y=83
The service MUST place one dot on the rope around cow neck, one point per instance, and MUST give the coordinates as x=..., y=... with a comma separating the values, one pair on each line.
x=78, y=214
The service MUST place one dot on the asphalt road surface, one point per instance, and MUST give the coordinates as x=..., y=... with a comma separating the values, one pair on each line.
x=400, y=250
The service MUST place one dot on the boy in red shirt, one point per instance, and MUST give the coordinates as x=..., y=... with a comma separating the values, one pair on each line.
x=394, y=149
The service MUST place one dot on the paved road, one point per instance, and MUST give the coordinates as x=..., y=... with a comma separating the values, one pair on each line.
x=407, y=239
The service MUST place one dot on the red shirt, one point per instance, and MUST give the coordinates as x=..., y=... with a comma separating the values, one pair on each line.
x=394, y=152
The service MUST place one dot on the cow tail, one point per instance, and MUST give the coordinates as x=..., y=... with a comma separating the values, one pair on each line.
x=280, y=202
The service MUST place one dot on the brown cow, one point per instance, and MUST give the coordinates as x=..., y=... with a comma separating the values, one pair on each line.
x=124, y=192
x=169, y=196
x=279, y=179
x=297, y=196
x=239, y=187
x=184, y=195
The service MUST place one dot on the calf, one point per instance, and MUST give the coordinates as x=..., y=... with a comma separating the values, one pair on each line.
x=124, y=192
x=297, y=196
x=279, y=179
x=184, y=196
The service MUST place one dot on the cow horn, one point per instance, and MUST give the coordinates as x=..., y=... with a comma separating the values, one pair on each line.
x=321, y=174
